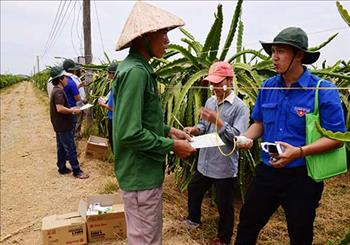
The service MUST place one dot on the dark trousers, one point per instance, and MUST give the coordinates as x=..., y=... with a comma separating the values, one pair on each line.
x=110, y=132
x=66, y=150
x=224, y=199
x=298, y=195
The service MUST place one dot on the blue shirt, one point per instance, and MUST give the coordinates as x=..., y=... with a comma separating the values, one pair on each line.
x=110, y=103
x=235, y=114
x=282, y=112
x=71, y=90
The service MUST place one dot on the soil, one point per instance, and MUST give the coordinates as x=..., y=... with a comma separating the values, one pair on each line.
x=31, y=187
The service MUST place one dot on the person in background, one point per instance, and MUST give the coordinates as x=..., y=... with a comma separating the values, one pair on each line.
x=75, y=92
x=61, y=115
x=227, y=115
x=49, y=87
x=279, y=117
x=140, y=136
x=109, y=103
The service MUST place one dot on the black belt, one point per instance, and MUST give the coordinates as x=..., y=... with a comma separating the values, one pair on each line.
x=300, y=170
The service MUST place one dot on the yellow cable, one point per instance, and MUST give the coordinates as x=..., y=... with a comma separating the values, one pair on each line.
x=217, y=132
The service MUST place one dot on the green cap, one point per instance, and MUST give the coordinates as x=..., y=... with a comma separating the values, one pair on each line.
x=295, y=37
x=70, y=65
x=57, y=71
x=112, y=67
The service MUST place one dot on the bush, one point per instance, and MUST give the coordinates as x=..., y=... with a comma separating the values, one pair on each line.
x=40, y=79
x=9, y=79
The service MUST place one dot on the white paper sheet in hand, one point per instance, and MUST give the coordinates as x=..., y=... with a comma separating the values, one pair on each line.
x=86, y=106
x=206, y=140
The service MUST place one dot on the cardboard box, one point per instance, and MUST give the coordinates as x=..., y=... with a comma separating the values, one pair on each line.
x=107, y=225
x=96, y=147
x=64, y=229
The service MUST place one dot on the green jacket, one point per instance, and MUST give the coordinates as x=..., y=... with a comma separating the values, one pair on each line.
x=139, y=134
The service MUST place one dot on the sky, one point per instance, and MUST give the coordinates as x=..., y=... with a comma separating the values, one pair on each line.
x=26, y=28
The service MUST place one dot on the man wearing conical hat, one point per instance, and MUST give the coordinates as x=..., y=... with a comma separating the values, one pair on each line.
x=141, y=140
x=279, y=114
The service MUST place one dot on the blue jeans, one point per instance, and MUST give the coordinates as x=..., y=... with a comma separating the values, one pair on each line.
x=66, y=149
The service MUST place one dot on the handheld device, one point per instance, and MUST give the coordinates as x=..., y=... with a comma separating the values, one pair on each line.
x=272, y=148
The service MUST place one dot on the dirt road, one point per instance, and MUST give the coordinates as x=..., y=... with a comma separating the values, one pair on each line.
x=31, y=187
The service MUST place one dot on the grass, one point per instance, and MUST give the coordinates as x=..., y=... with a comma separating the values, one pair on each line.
x=109, y=187
x=331, y=224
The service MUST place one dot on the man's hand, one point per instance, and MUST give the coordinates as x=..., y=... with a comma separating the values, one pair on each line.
x=289, y=154
x=101, y=101
x=183, y=149
x=178, y=134
x=76, y=110
x=191, y=130
x=81, y=84
x=244, y=142
x=211, y=116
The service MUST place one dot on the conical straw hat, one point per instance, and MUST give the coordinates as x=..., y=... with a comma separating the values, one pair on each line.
x=146, y=18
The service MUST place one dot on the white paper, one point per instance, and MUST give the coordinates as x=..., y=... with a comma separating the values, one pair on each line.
x=86, y=106
x=206, y=140
x=96, y=208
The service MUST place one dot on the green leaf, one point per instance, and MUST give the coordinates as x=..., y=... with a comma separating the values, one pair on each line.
x=249, y=69
x=106, y=55
x=332, y=74
x=185, y=53
x=196, y=46
x=239, y=41
x=313, y=49
x=263, y=65
x=197, y=106
x=343, y=13
x=187, y=34
x=194, y=78
x=211, y=35
x=214, y=47
x=178, y=62
x=235, y=18
x=248, y=51
x=188, y=119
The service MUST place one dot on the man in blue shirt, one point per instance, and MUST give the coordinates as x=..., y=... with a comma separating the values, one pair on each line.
x=75, y=92
x=279, y=116
x=72, y=92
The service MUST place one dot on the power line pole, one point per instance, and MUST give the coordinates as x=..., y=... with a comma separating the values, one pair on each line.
x=87, y=53
x=37, y=62
x=87, y=31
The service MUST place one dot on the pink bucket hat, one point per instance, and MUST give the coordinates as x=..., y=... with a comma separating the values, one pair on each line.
x=218, y=72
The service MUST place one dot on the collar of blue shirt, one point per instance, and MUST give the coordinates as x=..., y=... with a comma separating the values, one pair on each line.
x=303, y=80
